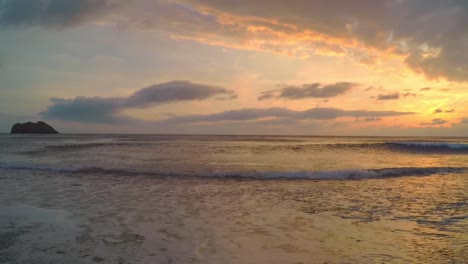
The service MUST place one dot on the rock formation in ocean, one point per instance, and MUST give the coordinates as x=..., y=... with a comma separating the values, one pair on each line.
x=33, y=128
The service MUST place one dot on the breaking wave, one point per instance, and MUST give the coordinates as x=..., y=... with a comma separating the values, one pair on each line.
x=352, y=174
x=430, y=147
x=345, y=174
x=76, y=147
x=423, y=147
x=433, y=144
x=417, y=147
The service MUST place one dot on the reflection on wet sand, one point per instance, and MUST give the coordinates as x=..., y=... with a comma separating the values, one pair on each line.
x=74, y=218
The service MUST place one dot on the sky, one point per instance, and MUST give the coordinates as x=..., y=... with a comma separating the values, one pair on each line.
x=300, y=67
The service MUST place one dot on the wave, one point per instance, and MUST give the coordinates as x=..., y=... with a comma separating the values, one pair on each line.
x=77, y=170
x=416, y=147
x=352, y=174
x=433, y=144
x=425, y=147
x=430, y=147
x=73, y=147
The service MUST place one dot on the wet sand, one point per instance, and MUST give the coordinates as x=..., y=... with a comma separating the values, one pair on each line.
x=66, y=218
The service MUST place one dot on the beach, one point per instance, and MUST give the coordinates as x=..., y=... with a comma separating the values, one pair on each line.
x=233, y=132
x=59, y=214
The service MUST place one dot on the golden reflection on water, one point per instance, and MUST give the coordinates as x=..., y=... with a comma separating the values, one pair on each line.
x=154, y=220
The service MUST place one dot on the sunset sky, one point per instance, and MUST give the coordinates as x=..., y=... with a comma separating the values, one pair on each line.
x=313, y=67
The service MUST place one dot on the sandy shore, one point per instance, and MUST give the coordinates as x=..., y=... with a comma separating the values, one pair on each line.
x=53, y=218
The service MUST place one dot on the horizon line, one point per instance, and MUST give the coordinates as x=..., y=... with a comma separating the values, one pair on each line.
x=207, y=134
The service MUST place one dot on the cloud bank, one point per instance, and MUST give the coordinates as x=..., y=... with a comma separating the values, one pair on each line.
x=107, y=110
x=429, y=35
x=253, y=114
x=50, y=13
x=175, y=91
x=314, y=90
x=435, y=122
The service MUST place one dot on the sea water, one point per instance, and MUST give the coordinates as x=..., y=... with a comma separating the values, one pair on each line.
x=232, y=199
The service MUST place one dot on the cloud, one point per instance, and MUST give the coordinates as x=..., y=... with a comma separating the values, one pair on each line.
x=253, y=114
x=174, y=91
x=50, y=13
x=440, y=110
x=435, y=122
x=86, y=109
x=107, y=110
x=464, y=121
x=266, y=95
x=372, y=119
x=409, y=94
x=314, y=90
x=425, y=89
x=394, y=96
x=428, y=35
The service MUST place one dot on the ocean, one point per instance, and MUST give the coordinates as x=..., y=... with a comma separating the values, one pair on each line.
x=232, y=199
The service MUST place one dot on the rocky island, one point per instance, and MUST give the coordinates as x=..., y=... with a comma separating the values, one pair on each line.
x=33, y=128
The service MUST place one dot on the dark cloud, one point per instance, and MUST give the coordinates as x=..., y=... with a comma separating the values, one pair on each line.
x=440, y=110
x=266, y=95
x=409, y=94
x=251, y=114
x=425, y=89
x=392, y=96
x=107, y=110
x=435, y=122
x=174, y=91
x=372, y=119
x=430, y=33
x=314, y=90
x=86, y=109
x=54, y=13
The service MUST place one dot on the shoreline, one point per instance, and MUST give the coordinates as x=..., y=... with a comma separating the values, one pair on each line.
x=148, y=220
